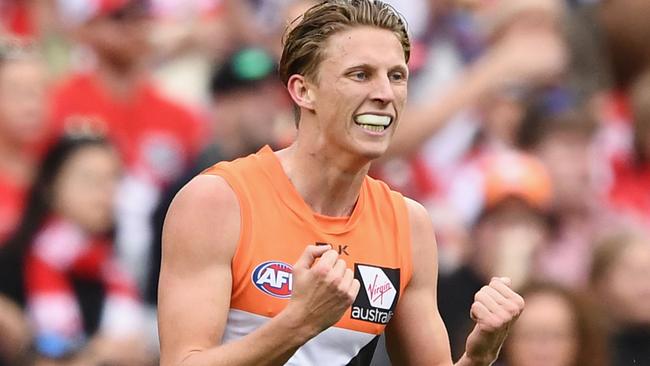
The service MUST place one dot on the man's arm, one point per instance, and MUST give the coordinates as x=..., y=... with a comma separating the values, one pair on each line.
x=200, y=236
x=416, y=334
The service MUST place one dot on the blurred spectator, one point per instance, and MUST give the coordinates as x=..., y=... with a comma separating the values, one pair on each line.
x=75, y=292
x=621, y=277
x=464, y=107
x=626, y=31
x=507, y=237
x=22, y=116
x=156, y=137
x=563, y=138
x=558, y=328
x=625, y=34
x=517, y=31
x=630, y=192
x=17, y=18
x=249, y=110
x=187, y=36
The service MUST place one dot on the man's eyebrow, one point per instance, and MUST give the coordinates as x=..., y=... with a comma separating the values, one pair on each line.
x=367, y=66
x=400, y=68
x=359, y=66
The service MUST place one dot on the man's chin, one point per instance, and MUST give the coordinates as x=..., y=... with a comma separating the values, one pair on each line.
x=372, y=152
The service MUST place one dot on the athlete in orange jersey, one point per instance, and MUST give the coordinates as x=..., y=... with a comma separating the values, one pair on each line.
x=297, y=256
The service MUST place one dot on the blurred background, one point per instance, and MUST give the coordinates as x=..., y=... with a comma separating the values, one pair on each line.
x=527, y=137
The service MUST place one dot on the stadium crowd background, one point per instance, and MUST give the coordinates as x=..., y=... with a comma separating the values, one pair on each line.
x=527, y=136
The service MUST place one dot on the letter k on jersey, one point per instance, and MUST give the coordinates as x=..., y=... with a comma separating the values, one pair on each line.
x=341, y=248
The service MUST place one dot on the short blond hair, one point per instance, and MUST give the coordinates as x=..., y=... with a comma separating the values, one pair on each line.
x=304, y=43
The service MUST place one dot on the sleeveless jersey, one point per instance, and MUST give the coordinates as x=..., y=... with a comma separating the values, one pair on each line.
x=277, y=225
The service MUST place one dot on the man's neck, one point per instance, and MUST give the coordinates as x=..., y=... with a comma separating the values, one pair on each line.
x=120, y=82
x=328, y=183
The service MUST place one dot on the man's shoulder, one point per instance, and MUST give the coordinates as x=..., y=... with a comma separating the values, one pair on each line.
x=411, y=204
x=202, y=225
x=239, y=164
x=203, y=194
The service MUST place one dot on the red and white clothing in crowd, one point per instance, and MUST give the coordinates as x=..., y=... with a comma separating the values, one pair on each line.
x=628, y=181
x=60, y=254
x=630, y=192
x=157, y=139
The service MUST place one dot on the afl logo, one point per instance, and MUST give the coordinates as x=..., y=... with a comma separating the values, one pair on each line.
x=274, y=278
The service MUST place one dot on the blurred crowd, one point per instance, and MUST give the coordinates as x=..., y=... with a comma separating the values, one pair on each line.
x=526, y=136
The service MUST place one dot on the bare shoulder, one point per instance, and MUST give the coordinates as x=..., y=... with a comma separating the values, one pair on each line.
x=423, y=243
x=419, y=219
x=203, y=219
x=200, y=235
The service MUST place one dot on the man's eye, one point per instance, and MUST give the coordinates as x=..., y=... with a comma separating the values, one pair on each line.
x=359, y=75
x=397, y=76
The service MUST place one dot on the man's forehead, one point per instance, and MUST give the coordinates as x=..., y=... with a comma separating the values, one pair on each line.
x=364, y=45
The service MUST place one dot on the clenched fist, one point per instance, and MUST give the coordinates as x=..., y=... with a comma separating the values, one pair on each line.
x=496, y=307
x=322, y=290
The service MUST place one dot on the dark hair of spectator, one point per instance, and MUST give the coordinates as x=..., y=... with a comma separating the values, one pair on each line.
x=39, y=201
x=539, y=124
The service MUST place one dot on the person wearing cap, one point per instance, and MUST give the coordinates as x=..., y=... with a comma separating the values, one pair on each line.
x=509, y=231
x=298, y=257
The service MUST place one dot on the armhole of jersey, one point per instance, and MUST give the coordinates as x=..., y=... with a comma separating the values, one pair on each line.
x=244, y=210
x=404, y=221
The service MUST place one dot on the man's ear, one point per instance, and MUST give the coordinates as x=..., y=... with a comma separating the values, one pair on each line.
x=300, y=91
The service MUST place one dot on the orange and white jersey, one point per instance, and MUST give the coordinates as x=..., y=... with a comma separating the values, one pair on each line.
x=276, y=227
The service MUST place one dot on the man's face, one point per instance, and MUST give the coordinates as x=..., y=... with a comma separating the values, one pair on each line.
x=121, y=38
x=360, y=90
x=22, y=100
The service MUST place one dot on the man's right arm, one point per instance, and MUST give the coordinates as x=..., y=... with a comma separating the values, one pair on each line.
x=200, y=236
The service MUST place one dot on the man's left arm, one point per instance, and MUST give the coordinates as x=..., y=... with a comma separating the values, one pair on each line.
x=416, y=335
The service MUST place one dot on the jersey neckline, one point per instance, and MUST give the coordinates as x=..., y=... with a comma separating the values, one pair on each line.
x=287, y=192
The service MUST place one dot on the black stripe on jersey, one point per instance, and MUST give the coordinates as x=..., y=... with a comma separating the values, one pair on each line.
x=365, y=354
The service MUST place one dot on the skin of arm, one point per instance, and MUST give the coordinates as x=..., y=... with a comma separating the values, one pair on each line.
x=200, y=236
x=416, y=334
x=515, y=60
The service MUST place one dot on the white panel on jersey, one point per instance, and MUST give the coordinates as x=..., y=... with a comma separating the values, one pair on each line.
x=334, y=346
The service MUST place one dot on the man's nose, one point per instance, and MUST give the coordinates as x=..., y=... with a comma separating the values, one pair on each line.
x=382, y=90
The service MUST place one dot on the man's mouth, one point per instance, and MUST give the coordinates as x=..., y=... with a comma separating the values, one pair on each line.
x=373, y=122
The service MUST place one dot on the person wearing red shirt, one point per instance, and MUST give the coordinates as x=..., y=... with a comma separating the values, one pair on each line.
x=155, y=136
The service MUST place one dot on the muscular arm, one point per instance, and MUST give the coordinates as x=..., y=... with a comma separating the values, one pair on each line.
x=200, y=236
x=417, y=336
x=199, y=239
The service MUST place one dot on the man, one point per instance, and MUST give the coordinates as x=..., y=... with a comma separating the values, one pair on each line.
x=227, y=293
